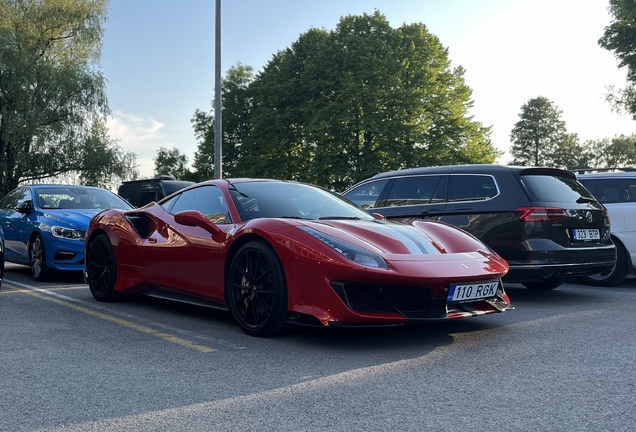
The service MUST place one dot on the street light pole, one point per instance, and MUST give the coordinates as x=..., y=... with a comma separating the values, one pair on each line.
x=217, y=93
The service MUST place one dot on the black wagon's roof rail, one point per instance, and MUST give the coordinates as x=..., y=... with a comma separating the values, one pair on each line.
x=598, y=170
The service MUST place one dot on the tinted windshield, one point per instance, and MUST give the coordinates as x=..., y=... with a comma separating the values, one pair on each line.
x=292, y=200
x=78, y=199
x=552, y=188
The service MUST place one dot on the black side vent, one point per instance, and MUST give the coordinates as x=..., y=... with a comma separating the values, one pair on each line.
x=140, y=223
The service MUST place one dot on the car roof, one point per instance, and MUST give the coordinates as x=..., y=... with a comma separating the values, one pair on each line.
x=614, y=174
x=56, y=186
x=455, y=169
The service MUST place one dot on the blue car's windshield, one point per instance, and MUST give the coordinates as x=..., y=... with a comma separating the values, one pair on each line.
x=277, y=199
x=79, y=198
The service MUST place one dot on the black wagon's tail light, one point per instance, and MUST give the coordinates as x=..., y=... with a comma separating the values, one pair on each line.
x=606, y=217
x=540, y=214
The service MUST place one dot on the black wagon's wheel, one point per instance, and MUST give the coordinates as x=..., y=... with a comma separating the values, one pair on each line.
x=101, y=269
x=256, y=290
x=37, y=260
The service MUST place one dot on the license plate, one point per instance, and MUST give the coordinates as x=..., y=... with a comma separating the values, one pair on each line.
x=470, y=292
x=586, y=234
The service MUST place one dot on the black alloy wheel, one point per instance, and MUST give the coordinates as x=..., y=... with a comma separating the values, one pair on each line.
x=37, y=260
x=101, y=269
x=543, y=284
x=614, y=275
x=257, y=291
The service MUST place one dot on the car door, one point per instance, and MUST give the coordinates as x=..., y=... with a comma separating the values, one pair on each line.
x=184, y=257
x=17, y=226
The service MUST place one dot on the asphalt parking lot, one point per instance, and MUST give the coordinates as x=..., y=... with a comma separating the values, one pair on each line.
x=562, y=360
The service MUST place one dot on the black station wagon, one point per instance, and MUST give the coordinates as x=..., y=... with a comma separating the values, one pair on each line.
x=541, y=220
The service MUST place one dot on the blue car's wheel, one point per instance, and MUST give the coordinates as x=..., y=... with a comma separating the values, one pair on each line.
x=37, y=260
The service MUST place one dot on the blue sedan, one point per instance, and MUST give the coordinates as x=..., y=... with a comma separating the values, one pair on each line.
x=44, y=225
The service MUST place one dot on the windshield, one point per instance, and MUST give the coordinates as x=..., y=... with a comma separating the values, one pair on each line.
x=273, y=199
x=78, y=198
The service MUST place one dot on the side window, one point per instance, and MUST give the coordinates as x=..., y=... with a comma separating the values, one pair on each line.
x=11, y=200
x=206, y=199
x=610, y=191
x=471, y=188
x=26, y=196
x=415, y=191
x=367, y=195
x=167, y=205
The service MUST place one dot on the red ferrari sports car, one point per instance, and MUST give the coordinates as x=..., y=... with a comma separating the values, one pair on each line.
x=277, y=252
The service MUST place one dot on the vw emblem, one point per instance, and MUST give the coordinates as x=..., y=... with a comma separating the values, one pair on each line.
x=589, y=217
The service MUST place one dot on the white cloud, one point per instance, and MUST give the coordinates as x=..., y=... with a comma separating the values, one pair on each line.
x=140, y=135
x=144, y=135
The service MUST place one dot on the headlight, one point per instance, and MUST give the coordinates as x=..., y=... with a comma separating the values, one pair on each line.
x=67, y=233
x=349, y=251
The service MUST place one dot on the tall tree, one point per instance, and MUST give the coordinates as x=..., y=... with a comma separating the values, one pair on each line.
x=236, y=107
x=540, y=137
x=52, y=94
x=338, y=106
x=620, y=37
x=172, y=162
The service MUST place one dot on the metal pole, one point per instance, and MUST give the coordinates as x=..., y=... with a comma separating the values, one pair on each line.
x=218, y=157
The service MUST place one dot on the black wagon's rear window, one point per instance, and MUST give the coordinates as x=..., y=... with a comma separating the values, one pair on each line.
x=553, y=188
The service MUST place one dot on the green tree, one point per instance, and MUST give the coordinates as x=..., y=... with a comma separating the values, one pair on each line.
x=52, y=94
x=236, y=108
x=172, y=162
x=620, y=37
x=616, y=152
x=338, y=106
x=540, y=137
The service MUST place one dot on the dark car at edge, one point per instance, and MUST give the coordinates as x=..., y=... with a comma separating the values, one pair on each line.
x=542, y=221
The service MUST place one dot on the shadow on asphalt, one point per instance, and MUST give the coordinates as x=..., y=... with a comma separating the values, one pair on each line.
x=58, y=277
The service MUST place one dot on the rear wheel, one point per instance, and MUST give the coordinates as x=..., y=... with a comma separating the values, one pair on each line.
x=257, y=291
x=101, y=269
x=543, y=284
x=612, y=276
x=37, y=260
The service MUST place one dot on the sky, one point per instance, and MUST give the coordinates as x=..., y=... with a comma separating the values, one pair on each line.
x=158, y=58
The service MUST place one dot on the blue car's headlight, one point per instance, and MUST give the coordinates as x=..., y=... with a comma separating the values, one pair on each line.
x=349, y=251
x=67, y=233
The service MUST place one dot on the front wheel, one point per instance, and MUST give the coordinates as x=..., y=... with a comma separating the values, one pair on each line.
x=543, y=284
x=37, y=260
x=257, y=291
x=612, y=276
x=101, y=269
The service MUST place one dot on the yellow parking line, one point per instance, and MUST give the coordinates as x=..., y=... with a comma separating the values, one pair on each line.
x=167, y=337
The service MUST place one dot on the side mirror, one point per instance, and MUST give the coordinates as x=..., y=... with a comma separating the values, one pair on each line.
x=378, y=216
x=196, y=218
x=24, y=207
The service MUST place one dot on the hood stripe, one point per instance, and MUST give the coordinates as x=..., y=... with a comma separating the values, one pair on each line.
x=410, y=241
